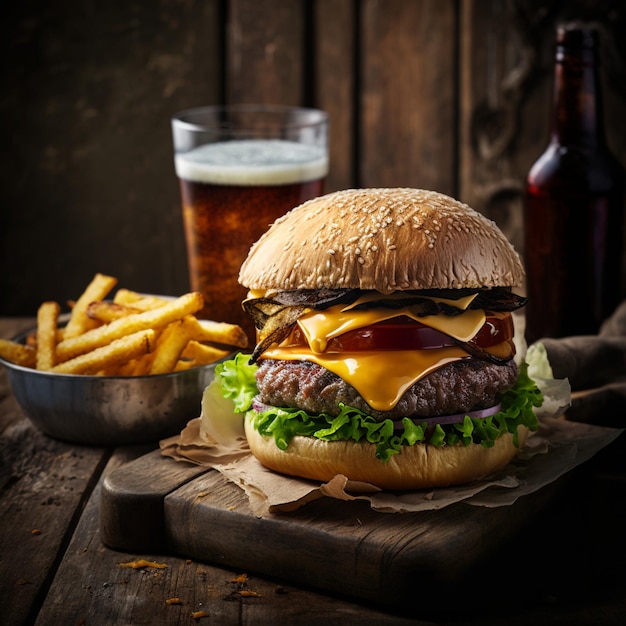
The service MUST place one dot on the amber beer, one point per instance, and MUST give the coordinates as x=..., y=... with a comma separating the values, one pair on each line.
x=231, y=192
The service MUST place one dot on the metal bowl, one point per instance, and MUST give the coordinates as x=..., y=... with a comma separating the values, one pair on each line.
x=108, y=410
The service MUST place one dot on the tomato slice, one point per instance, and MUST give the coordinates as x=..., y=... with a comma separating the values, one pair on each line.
x=495, y=330
x=404, y=333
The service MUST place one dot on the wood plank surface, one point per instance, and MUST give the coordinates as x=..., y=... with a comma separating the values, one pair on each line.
x=132, y=516
x=90, y=183
x=265, y=52
x=538, y=561
x=497, y=62
x=407, y=97
x=347, y=547
x=91, y=586
x=43, y=486
x=567, y=566
x=420, y=93
x=334, y=83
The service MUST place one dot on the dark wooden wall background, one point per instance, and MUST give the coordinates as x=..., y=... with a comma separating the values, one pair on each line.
x=452, y=95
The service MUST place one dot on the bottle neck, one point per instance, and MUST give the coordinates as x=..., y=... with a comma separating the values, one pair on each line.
x=577, y=103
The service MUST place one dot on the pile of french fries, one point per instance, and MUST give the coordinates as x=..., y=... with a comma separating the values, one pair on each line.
x=130, y=335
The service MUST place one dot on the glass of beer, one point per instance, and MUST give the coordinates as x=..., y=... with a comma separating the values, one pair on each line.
x=240, y=168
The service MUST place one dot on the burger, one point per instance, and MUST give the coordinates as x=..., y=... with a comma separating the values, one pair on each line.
x=385, y=342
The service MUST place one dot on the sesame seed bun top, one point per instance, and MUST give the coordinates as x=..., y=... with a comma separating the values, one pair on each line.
x=393, y=239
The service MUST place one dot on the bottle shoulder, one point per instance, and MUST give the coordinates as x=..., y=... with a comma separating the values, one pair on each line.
x=580, y=168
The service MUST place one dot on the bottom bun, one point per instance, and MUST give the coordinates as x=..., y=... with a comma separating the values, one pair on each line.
x=420, y=466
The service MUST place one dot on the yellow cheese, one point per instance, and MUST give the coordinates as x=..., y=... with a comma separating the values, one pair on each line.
x=320, y=326
x=381, y=377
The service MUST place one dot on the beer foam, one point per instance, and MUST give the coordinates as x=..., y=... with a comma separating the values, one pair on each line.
x=253, y=162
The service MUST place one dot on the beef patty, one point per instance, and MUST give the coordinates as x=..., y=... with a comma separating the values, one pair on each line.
x=465, y=385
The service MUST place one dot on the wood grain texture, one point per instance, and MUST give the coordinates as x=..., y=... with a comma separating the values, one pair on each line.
x=88, y=183
x=465, y=564
x=407, y=125
x=506, y=80
x=265, y=52
x=347, y=547
x=92, y=586
x=497, y=62
x=335, y=32
x=42, y=483
x=138, y=523
x=451, y=96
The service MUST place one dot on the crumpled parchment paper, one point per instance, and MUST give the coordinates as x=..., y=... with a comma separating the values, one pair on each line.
x=556, y=448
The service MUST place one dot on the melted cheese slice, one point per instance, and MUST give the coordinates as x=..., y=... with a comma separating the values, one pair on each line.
x=320, y=326
x=382, y=377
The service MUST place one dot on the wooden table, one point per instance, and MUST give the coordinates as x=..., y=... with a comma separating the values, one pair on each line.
x=567, y=567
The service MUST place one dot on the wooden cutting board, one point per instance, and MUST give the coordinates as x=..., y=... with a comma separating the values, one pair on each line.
x=155, y=504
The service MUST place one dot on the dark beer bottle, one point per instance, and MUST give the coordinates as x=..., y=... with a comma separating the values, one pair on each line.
x=574, y=203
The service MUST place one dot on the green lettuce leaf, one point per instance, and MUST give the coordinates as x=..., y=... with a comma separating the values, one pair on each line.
x=518, y=403
x=237, y=381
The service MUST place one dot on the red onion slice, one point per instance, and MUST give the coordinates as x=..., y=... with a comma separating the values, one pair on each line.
x=259, y=407
x=451, y=419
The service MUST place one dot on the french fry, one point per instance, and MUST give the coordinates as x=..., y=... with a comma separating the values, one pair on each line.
x=184, y=365
x=138, y=300
x=202, y=354
x=170, y=345
x=106, y=312
x=126, y=296
x=218, y=332
x=138, y=367
x=129, y=368
x=98, y=289
x=47, y=321
x=154, y=318
x=18, y=353
x=103, y=358
x=183, y=339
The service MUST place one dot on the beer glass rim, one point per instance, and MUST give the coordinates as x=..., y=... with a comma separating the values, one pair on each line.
x=199, y=118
